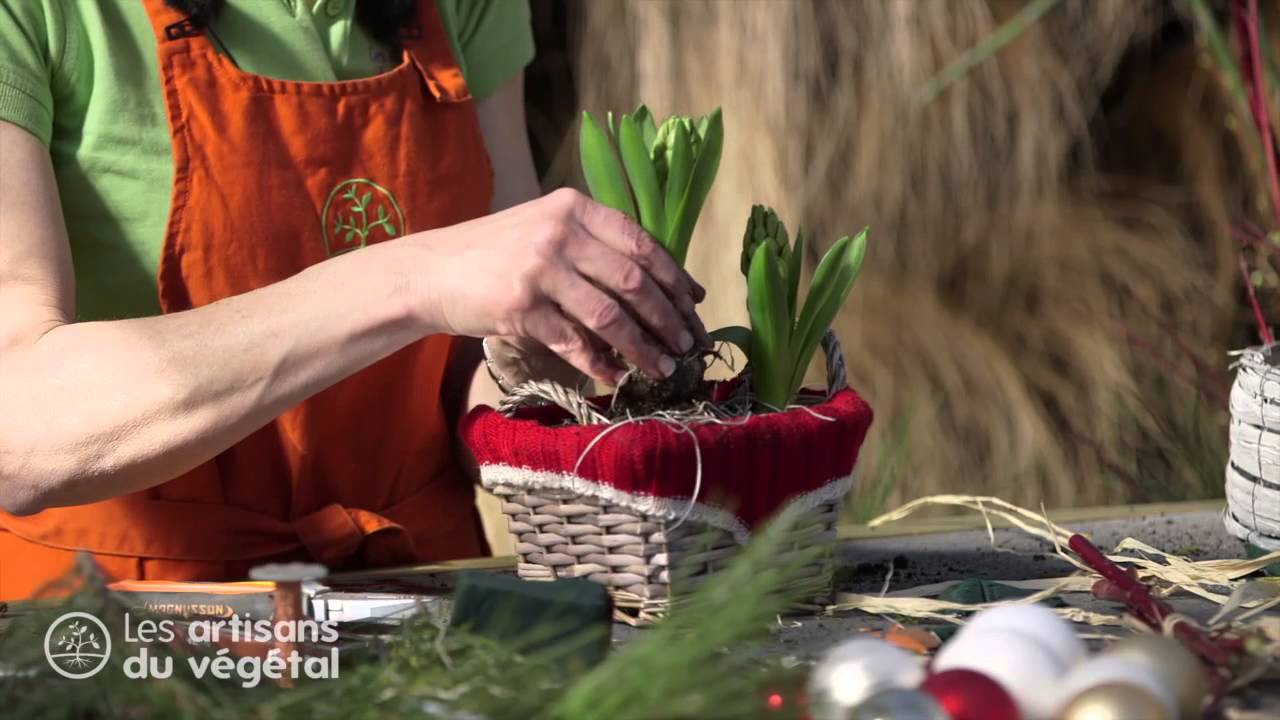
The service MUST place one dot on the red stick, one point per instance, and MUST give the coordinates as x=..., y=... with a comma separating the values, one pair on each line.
x=1258, y=100
x=1258, y=243
x=1251, y=60
x=1249, y=236
x=1147, y=607
x=1264, y=332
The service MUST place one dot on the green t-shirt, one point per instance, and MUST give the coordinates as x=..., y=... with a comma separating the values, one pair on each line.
x=82, y=76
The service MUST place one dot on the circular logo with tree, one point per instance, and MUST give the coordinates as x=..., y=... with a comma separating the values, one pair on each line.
x=359, y=212
x=77, y=645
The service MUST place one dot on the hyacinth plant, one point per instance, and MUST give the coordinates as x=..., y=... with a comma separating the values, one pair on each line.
x=784, y=335
x=660, y=176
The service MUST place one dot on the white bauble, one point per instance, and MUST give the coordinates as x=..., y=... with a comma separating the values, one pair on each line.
x=855, y=670
x=1035, y=620
x=1025, y=667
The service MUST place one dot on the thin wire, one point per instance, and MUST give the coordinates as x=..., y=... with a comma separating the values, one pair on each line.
x=697, y=478
x=674, y=426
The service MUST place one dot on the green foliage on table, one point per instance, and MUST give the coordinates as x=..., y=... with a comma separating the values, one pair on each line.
x=704, y=663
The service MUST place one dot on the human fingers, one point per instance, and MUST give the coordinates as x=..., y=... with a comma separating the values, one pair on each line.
x=623, y=278
x=624, y=235
x=607, y=318
x=568, y=339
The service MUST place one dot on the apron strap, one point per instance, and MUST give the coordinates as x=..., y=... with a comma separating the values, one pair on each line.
x=425, y=40
x=173, y=26
x=427, y=43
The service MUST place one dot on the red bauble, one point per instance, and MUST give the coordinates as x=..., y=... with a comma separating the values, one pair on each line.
x=969, y=695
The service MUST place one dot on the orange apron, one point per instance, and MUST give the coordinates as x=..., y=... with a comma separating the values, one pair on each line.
x=270, y=177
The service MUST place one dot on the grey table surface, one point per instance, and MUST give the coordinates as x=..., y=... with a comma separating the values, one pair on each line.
x=932, y=557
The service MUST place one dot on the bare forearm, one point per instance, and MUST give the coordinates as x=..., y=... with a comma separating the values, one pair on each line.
x=94, y=410
x=515, y=181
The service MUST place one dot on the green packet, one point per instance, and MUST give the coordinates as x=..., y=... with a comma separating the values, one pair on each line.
x=570, y=619
x=1252, y=551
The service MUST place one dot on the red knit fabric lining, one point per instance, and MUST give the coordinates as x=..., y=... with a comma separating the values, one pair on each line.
x=751, y=469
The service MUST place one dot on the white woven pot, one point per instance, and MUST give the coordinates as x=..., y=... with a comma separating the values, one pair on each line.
x=1253, y=465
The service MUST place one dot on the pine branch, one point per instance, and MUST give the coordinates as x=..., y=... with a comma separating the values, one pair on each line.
x=707, y=639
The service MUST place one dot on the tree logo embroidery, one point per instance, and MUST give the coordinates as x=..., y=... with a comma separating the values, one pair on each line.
x=77, y=645
x=359, y=212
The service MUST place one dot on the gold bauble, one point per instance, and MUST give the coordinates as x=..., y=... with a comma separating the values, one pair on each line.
x=1116, y=701
x=1179, y=669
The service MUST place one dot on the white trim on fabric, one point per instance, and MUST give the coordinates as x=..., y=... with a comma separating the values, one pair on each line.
x=668, y=508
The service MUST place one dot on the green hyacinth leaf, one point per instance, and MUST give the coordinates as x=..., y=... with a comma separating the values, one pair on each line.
x=658, y=156
x=794, y=267
x=601, y=168
x=704, y=123
x=648, y=129
x=660, y=151
x=644, y=182
x=704, y=174
x=679, y=171
x=832, y=282
x=695, y=138
x=767, y=308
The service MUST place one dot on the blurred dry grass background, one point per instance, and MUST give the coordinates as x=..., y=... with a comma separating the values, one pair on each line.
x=1051, y=288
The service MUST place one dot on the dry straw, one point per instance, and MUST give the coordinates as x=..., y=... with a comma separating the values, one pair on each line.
x=1172, y=573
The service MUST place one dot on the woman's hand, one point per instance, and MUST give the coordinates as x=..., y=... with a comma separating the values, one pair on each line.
x=514, y=360
x=569, y=273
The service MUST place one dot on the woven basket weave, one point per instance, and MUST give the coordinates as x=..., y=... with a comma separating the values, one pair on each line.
x=561, y=534
x=642, y=555
x=1253, y=467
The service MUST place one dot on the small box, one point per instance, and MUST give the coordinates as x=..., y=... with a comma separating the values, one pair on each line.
x=570, y=616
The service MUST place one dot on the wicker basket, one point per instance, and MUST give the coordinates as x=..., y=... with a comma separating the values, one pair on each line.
x=1253, y=467
x=646, y=548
